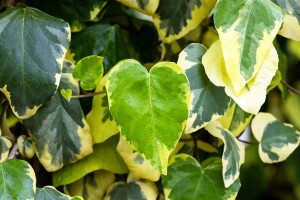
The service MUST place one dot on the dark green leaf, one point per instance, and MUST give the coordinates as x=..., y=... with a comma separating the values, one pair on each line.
x=50, y=193
x=5, y=145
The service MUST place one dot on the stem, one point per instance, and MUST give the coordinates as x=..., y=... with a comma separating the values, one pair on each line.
x=14, y=152
x=88, y=95
x=292, y=89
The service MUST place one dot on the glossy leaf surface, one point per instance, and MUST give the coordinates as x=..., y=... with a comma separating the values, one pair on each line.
x=50, y=193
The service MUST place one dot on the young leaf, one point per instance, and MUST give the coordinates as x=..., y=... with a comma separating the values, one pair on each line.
x=174, y=20
x=92, y=186
x=59, y=132
x=245, y=43
x=5, y=145
x=233, y=155
x=277, y=140
x=102, y=124
x=105, y=156
x=240, y=121
x=208, y=102
x=67, y=94
x=138, y=166
x=144, y=6
x=143, y=106
x=186, y=180
x=50, y=193
x=36, y=65
x=89, y=71
x=25, y=146
x=253, y=94
x=17, y=180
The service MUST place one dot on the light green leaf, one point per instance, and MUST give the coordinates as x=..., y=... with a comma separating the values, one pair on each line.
x=50, y=193
x=73, y=11
x=253, y=94
x=5, y=145
x=277, y=140
x=89, y=71
x=17, y=180
x=291, y=108
x=137, y=99
x=240, y=121
x=102, y=40
x=145, y=6
x=102, y=124
x=174, y=20
x=92, y=186
x=138, y=166
x=291, y=22
x=208, y=102
x=105, y=156
x=186, y=180
x=233, y=154
x=36, y=65
x=245, y=43
x=59, y=132
x=25, y=146
x=67, y=94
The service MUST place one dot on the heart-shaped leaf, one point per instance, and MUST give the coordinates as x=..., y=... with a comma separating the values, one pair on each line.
x=67, y=94
x=35, y=65
x=149, y=108
x=50, y=193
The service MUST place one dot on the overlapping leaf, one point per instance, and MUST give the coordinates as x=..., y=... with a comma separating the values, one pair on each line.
x=187, y=179
x=146, y=6
x=208, y=102
x=105, y=156
x=5, y=145
x=50, y=193
x=36, y=65
x=59, y=132
x=143, y=106
x=233, y=155
x=276, y=139
x=99, y=118
x=25, y=146
x=247, y=29
x=253, y=94
x=102, y=40
x=174, y=20
x=17, y=180
x=73, y=11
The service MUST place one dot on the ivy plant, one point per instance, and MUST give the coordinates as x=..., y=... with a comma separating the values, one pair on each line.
x=149, y=99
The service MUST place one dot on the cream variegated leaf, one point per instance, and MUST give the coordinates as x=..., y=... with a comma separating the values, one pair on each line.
x=5, y=145
x=145, y=6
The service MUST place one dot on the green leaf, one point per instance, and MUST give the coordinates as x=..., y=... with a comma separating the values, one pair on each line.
x=245, y=43
x=143, y=102
x=102, y=124
x=73, y=11
x=5, y=145
x=105, y=156
x=102, y=40
x=233, y=154
x=174, y=20
x=145, y=6
x=59, y=132
x=50, y=193
x=89, y=71
x=36, y=65
x=253, y=94
x=277, y=140
x=17, y=180
x=208, y=102
x=240, y=121
x=67, y=94
x=186, y=180
x=25, y=146
x=291, y=108
x=93, y=186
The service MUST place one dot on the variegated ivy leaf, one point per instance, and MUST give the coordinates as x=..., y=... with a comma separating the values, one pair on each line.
x=102, y=124
x=246, y=29
x=253, y=94
x=138, y=166
x=187, y=179
x=5, y=145
x=89, y=71
x=277, y=140
x=137, y=99
x=73, y=11
x=50, y=193
x=208, y=102
x=145, y=6
x=291, y=22
x=174, y=20
x=59, y=131
x=17, y=180
x=92, y=186
x=25, y=146
x=233, y=154
x=105, y=156
x=36, y=65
